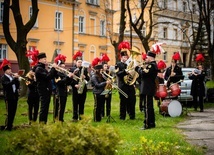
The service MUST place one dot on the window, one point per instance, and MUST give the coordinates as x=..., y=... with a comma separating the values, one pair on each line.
x=1, y=12
x=165, y=4
x=30, y=14
x=184, y=34
x=175, y=34
x=193, y=8
x=164, y=33
x=81, y=24
x=102, y=28
x=58, y=21
x=144, y=31
x=92, y=52
x=94, y=2
x=165, y=56
x=3, y=51
x=184, y=6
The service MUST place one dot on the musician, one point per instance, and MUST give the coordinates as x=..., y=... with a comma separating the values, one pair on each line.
x=127, y=105
x=98, y=84
x=79, y=88
x=61, y=81
x=148, y=88
x=33, y=97
x=198, y=84
x=43, y=79
x=173, y=73
x=160, y=81
x=10, y=85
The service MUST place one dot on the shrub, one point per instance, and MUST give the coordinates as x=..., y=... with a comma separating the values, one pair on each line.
x=64, y=139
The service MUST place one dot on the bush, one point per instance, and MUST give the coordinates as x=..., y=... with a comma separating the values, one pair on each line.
x=65, y=139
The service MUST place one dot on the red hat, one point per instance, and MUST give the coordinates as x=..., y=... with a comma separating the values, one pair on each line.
x=123, y=47
x=199, y=58
x=5, y=65
x=105, y=58
x=60, y=59
x=77, y=56
x=176, y=57
x=33, y=56
x=95, y=62
x=144, y=56
x=161, y=65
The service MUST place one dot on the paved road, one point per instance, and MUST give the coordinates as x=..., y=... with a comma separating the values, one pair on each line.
x=199, y=129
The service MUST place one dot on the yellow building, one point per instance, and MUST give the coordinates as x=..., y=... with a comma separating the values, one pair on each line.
x=65, y=26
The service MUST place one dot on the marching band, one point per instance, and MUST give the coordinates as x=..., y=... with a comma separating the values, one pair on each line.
x=155, y=80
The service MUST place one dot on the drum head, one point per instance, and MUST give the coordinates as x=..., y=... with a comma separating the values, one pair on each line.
x=174, y=108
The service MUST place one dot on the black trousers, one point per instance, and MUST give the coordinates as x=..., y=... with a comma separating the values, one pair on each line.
x=62, y=105
x=106, y=106
x=200, y=103
x=99, y=100
x=44, y=108
x=11, y=107
x=149, y=113
x=127, y=105
x=78, y=105
x=33, y=107
x=55, y=107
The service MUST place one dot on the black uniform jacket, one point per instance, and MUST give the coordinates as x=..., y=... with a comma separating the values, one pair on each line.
x=198, y=84
x=32, y=88
x=62, y=81
x=148, y=76
x=98, y=83
x=77, y=72
x=178, y=75
x=43, y=78
x=120, y=74
x=7, y=86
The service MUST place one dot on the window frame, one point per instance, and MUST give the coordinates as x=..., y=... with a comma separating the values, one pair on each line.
x=3, y=51
x=58, y=21
x=30, y=14
x=81, y=24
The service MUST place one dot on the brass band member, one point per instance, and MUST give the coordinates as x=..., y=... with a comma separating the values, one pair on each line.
x=127, y=105
x=10, y=85
x=198, y=84
x=107, y=103
x=33, y=97
x=160, y=80
x=79, y=87
x=43, y=79
x=148, y=88
x=62, y=82
x=98, y=84
x=173, y=73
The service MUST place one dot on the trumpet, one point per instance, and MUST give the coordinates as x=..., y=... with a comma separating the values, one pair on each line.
x=15, y=75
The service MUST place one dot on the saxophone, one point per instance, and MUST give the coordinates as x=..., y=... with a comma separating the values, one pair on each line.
x=82, y=82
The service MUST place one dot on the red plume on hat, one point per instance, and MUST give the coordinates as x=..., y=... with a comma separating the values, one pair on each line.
x=32, y=54
x=176, y=56
x=5, y=62
x=60, y=58
x=161, y=64
x=78, y=54
x=157, y=48
x=199, y=58
x=96, y=61
x=144, y=56
x=124, y=45
x=105, y=58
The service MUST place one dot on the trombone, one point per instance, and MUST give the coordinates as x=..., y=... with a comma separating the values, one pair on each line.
x=105, y=75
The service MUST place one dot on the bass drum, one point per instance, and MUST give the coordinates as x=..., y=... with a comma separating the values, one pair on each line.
x=171, y=107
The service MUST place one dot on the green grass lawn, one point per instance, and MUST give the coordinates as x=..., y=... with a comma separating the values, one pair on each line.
x=129, y=130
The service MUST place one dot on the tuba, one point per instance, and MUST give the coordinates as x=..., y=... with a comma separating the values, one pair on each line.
x=132, y=74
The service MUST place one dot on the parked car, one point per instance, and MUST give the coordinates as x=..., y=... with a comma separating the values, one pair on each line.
x=186, y=86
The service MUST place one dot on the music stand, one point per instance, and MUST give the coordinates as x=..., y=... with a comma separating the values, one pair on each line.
x=109, y=119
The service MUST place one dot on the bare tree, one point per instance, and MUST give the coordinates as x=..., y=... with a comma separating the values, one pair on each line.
x=121, y=29
x=19, y=46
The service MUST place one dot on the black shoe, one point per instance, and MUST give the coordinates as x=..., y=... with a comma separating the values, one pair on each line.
x=201, y=110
